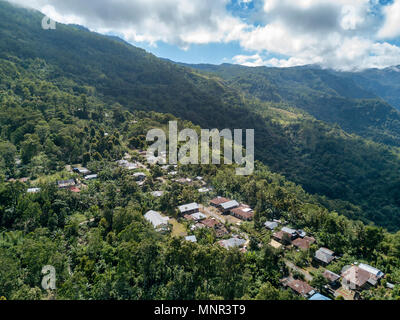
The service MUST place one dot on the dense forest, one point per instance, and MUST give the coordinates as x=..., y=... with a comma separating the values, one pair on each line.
x=337, y=98
x=98, y=240
x=68, y=96
x=364, y=176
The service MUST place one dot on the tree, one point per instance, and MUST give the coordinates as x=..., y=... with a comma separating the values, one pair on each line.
x=319, y=281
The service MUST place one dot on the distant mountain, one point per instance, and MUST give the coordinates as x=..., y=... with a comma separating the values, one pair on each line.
x=334, y=97
x=359, y=178
x=385, y=83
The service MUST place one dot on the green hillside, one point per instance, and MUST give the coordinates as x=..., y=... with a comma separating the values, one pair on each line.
x=362, y=177
x=337, y=98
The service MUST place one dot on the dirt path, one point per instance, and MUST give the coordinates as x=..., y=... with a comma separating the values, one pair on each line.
x=292, y=266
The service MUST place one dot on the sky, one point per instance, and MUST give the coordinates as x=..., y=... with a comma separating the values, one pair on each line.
x=338, y=34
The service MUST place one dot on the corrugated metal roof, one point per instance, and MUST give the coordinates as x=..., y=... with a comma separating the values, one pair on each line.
x=233, y=242
x=319, y=296
x=288, y=230
x=198, y=216
x=230, y=205
x=324, y=255
x=372, y=270
x=191, y=238
x=189, y=207
x=155, y=218
x=271, y=225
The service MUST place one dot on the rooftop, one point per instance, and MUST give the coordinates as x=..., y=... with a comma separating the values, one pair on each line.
x=356, y=275
x=198, y=216
x=91, y=176
x=331, y=276
x=303, y=243
x=155, y=218
x=211, y=223
x=243, y=213
x=191, y=238
x=375, y=272
x=232, y=243
x=230, y=205
x=324, y=255
x=320, y=297
x=300, y=287
x=289, y=230
x=271, y=225
x=188, y=207
x=219, y=200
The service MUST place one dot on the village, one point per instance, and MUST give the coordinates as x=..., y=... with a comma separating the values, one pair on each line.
x=226, y=219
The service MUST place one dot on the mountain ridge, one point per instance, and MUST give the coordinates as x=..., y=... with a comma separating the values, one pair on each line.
x=325, y=160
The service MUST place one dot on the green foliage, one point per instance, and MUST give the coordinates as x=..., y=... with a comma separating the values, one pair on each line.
x=82, y=98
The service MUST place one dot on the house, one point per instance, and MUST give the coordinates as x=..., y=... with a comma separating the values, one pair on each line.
x=191, y=239
x=355, y=278
x=75, y=189
x=301, y=233
x=359, y=277
x=219, y=228
x=197, y=226
x=303, y=244
x=33, y=190
x=82, y=171
x=291, y=234
x=244, y=213
x=390, y=285
x=203, y=190
x=158, y=221
x=226, y=207
x=333, y=280
x=63, y=184
x=184, y=181
x=324, y=256
x=278, y=236
x=91, y=177
x=127, y=165
x=319, y=297
x=221, y=231
x=331, y=276
x=157, y=194
x=232, y=243
x=189, y=208
x=376, y=274
x=302, y=288
x=210, y=223
x=271, y=225
x=216, y=202
x=198, y=216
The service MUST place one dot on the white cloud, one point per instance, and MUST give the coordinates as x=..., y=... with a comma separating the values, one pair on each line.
x=339, y=34
x=249, y=61
x=391, y=27
x=335, y=34
x=180, y=22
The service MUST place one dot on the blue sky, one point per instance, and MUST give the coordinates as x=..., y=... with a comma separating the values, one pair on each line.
x=340, y=34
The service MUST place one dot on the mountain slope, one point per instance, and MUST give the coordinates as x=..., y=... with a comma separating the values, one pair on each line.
x=362, y=178
x=327, y=95
x=385, y=83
